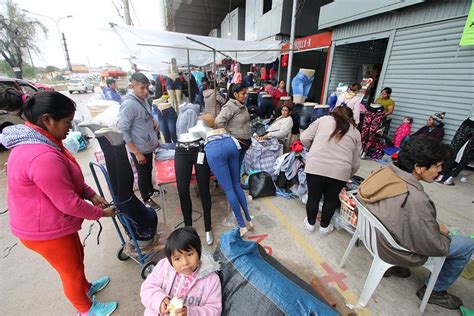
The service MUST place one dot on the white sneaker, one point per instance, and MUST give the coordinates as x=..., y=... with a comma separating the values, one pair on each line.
x=439, y=178
x=323, y=231
x=309, y=228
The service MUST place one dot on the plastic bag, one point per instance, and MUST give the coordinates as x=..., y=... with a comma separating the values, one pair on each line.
x=261, y=185
x=72, y=142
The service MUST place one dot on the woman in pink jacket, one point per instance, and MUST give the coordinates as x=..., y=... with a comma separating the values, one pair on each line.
x=47, y=193
x=184, y=277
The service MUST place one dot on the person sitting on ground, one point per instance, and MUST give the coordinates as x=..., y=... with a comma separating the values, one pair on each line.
x=110, y=92
x=281, y=127
x=183, y=275
x=434, y=127
x=396, y=197
x=385, y=100
x=213, y=101
x=402, y=131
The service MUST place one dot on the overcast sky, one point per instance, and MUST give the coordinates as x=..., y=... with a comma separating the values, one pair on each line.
x=84, y=31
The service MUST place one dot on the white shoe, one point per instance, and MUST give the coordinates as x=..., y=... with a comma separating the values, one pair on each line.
x=209, y=237
x=323, y=231
x=309, y=228
x=439, y=178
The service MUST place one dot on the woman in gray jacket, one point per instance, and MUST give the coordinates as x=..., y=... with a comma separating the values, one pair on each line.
x=235, y=118
x=334, y=157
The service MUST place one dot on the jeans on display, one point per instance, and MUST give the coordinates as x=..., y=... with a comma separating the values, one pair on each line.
x=266, y=109
x=459, y=254
x=318, y=113
x=173, y=84
x=305, y=116
x=319, y=186
x=223, y=158
x=145, y=184
x=167, y=119
x=142, y=219
x=301, y=84
x=295, y=115
x=252, y=99
x=185, y=159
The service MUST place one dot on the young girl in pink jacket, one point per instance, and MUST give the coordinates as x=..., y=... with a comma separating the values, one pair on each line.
x=182, y=275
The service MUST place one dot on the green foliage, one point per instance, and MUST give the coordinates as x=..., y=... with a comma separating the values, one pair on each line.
x=51, y=68
x=17, y=35
x=28, y=71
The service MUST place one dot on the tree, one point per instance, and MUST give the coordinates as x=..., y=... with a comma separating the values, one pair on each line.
x=27, y=70
x=17, y=36
x=51, y=68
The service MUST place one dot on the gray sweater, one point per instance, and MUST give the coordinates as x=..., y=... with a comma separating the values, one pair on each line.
x=280, y=128
x=336, y=159
x=235, y=118
x=135, y=122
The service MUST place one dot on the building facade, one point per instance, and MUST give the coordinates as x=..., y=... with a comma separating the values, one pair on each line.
x=410, y=46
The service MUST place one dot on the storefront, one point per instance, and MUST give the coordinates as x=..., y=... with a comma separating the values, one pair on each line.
x=312, y=53
x=416, y=52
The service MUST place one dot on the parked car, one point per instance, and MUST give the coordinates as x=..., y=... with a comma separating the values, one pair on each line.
x=80, y=85
x=22, y=86
x=41, y=86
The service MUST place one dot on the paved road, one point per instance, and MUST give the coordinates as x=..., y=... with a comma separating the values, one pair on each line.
x=81, y=100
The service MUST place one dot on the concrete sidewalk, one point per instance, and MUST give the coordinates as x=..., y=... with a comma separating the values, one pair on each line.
x=30, y=286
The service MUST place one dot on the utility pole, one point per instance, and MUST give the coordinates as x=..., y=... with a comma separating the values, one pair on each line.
x=66, y=51
x=126, y=12
x=292, y=42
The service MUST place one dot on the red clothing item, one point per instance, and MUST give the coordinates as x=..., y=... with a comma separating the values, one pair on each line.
x=402, y=131
x=263, y=74
x=66, y=256
x=277, y=94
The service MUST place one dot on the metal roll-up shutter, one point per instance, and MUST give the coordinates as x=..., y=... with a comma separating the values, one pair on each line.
x=429, y=72
x=343, y=67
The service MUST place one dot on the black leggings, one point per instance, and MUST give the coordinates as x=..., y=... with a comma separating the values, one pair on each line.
x=145, y=185
x=317, y=187
x=184, y=160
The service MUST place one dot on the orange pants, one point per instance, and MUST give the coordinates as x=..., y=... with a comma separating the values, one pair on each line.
x=66, y=256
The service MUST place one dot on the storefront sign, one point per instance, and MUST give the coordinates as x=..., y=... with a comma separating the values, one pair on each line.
x=311, y=42
x=468, y=34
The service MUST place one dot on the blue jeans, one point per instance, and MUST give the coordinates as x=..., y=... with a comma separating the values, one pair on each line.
x=167, y=119
x=305, y=116
x=301, y=84
x=459, y=254
x=223, y=158
x=266, y=109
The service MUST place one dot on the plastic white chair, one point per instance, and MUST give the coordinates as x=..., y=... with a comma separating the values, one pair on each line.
x=367, y=226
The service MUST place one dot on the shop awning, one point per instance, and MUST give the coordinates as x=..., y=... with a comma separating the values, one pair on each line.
x=153, y=50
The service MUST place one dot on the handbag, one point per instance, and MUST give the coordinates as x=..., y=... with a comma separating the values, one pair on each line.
x=261, y=185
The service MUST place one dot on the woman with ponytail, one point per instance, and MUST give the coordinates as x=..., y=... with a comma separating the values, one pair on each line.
x=334, y=148
x=47, y=196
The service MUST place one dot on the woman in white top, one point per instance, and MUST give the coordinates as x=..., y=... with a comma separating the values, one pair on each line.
x=281, y=127
x=351, y=99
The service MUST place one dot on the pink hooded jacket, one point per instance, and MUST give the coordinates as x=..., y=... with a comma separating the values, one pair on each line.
x=46, y=190
x=204, y=296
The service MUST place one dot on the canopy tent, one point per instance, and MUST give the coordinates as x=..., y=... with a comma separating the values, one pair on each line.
x=153, y=50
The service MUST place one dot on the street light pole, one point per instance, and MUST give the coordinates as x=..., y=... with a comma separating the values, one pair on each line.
x=62, y=37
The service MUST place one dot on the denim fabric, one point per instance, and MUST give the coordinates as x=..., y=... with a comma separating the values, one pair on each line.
x=301, y=84
x=173, y=84
x=223, y=158
x=459, y=254
x=295, y=115
x=319, y=112
x=292, y=296
x=167, y=119
x=252, y=99
x=305, y=116
x=266, y=109
x=142, y=219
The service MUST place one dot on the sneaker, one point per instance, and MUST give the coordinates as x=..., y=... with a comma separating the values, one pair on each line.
x=443, y=299
x=439, y=178
x=309, y=228
x=397, y=271
x=100, y=309
x=156, y=194
x=323, y=231
x=98, y=285
x=153, y=204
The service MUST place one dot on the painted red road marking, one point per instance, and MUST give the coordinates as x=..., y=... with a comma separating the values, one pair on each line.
x=258, y=239
x=337, y=277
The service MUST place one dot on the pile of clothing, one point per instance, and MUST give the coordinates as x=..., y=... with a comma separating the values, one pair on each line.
x=262, y=155
x=288, y=170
